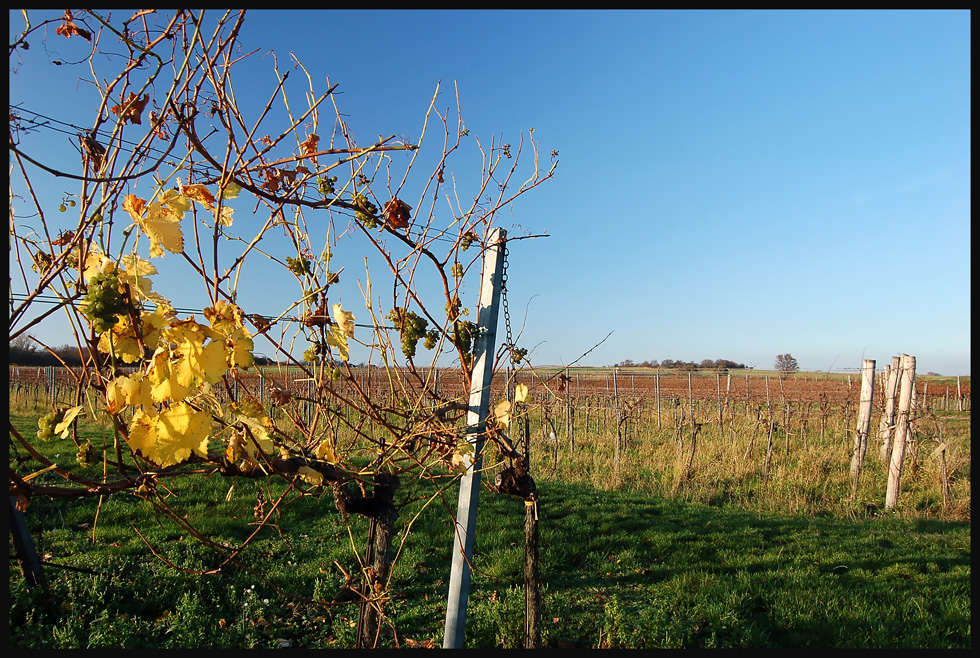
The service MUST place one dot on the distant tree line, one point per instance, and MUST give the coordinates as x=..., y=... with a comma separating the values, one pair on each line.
x=670, y=364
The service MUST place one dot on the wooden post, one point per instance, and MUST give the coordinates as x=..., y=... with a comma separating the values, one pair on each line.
x=658, y=399
x=901, y=430
x=887, y=426
x=863, y=423
x=532, y=576
x=24, y=547
x=619, y=439
x=721, y=428
x=469, y=484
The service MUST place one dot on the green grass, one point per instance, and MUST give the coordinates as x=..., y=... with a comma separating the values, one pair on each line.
x=628, y=561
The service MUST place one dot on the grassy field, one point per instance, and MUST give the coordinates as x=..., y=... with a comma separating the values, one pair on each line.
x=686, y=543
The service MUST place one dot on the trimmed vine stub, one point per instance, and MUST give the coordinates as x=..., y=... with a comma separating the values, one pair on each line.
x=166, y=175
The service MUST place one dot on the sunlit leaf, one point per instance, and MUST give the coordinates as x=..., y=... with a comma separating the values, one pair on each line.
x=143, y=434
x=224, y=215
x=313, y=477
x=344, y=320
x=325, y=450
x=70, y=415
x=96, y=262
x=231, y=190
x=198, y=193
x=176, y=201
x=160, y=223
x=164, y=386
x=180, y=431
x=259, y=428
x=520, y=393
x=240, y=346
x=502, y=412
x=340, y=331
x=224, y=317
x=198, y=363
x=462, y=458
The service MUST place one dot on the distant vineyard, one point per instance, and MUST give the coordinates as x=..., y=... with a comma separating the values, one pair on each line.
x=52, y=384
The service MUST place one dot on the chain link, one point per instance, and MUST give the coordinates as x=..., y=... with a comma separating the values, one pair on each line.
x=503, y=300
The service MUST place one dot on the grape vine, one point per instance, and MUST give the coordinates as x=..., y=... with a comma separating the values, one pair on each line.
x=158, y=189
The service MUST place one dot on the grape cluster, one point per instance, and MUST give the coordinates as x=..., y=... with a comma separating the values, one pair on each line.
x=46, y=425
x=85, y=454
x=326, y=184
x=314, y=352
x=299, y=265
x=468, y=238
x=412, y=329
x=517, y=354
x=367, y=215
x=463, y=333
x=103, y=301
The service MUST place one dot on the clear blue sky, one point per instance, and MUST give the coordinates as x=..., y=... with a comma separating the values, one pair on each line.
x=731, y=184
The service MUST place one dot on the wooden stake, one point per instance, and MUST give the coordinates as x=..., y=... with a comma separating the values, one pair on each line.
x=863, y=423
x=901, y=431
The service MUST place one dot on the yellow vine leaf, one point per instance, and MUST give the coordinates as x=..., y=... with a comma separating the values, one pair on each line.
x=236, y=446
x=325, y=450
x=340, y=331
x=224, y=317
x=133, y=391
x=502, y=412
x=62, y=427
x=240, y=346
x=344, y=320
x=231, y=191
x=115, y=395
x=136, y=272
x=462, y=458
x=313, y=477
x=96, y=262
x=520, y=393
x=180, y=431
x=196, y=362
x=176, y=201
x=163, y=385
x=202, y=195
x=160, y=223
x=224, y=215
x=142, y=434
x=123, y=336
x=260, y=432
x=253, y=416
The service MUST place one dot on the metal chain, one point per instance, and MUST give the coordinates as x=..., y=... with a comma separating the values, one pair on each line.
x=503, y=300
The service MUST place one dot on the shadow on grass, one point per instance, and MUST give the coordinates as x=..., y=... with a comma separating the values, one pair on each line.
x=655, y=573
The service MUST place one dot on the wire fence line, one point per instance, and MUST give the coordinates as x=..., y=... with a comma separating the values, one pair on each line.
x=53, y=385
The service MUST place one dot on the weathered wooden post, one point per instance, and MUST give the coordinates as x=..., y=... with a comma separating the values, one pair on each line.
x=658, y=399
x=901, y=430
x=887, y=426
x=469, y=484
x=619, y=438
x=863, y=423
